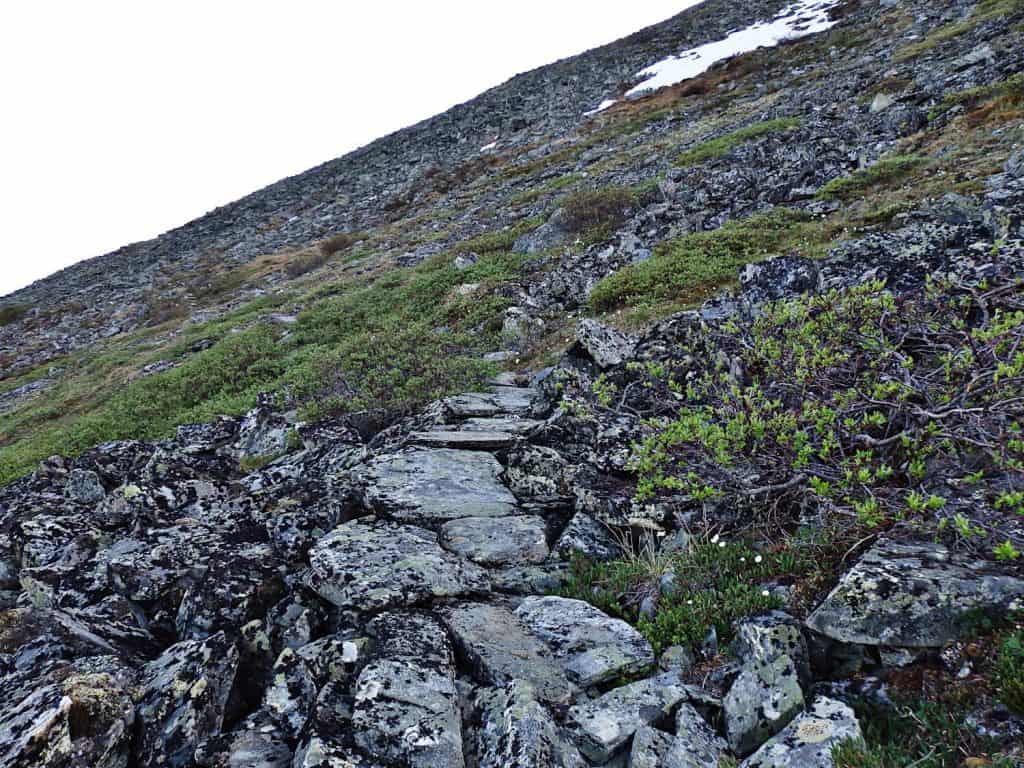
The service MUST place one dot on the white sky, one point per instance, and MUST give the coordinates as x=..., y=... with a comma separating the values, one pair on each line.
x=122, y=119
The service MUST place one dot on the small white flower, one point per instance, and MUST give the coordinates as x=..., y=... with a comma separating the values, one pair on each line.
x=765, y=593
x=758, y=559
x=689, y=602
x=743, y=559
x=714, y=539
x=721, y=545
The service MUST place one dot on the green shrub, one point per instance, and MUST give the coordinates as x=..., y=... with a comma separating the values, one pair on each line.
x=307, y=261
x=596, y=213
x=12, y=313
x=337, y=243
x=718, y=582
x=1010, y=672
x=722, y=145
x=885, y=170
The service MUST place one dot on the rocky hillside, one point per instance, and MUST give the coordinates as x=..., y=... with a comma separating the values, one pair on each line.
x=686, y=431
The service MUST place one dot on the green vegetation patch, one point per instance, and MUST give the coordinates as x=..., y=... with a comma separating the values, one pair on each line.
x=12, y=313
x=717, y=582
x=594, y=214
x=886, y=170
x=1010, y=672
x=397, y=341
x=693, y=266
x=723, y=145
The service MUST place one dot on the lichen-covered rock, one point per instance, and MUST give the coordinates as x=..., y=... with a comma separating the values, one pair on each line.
x=431, y=487
x=292, y=691
x=696, y=745
x=808, y=741
x=604, y=725
x=85, y=487
x=588, y=537
x=539, y=475
x=182, y=699
x=914, y=596
x=406, y=704
x=606, y=346
x=503, y=401
x=257, y=742
x=649, y=748
x=518, y=732
x=594, y=647
x=761, y=701
x=497, y=540
x=499, y=649
x=371, y=565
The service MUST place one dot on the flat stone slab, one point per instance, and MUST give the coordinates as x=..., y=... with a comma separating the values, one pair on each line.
x=513, y=540
x=500, y=650
x=514, y=425
x=371, y=565
x=914, y=596
x=593, y=646
x=807, y=742
x=470, y=441
x=503, y=400
x=432, y=486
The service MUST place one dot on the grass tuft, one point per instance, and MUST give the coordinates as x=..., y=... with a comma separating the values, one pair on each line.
x=721, y=146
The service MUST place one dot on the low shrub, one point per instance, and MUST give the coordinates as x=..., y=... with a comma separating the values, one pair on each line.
x=12, y=313
x=886, y=170
x=722, y=145
x=306, y=261
x=596, y=213
x=337, y=243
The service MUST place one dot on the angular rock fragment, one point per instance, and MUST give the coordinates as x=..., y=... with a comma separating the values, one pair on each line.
x=371, y=565
x=606, y=346
x=518, y=732
x=182, y=700
x=593, y=647
x=588, y=537
x=808, y=741
x=464, y=440
x=604, y=725
x=257, y=742
x=497, y=541
x=500, y=650
x=407, y=709
x=914, y=596
x=430, y=487
x=696, y=745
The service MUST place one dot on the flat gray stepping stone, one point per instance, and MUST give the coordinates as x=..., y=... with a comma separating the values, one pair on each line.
x=593, y=646
x=432, y=486
x=497, y=540
x=505, y=379
x=500, y=650
x=470, y=441
x=914, y=596
x=370, y=565
x=516, y=426
x=503, y=400
x=406, y=703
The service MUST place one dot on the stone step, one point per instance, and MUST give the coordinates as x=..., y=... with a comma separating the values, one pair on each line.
x=471, y=441
x=503, y=400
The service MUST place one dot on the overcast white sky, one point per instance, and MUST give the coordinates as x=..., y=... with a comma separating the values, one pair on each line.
x=122, y=119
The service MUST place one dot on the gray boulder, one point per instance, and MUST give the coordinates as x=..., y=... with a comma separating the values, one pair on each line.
x=498, y=540
x=182, y=700
x=605, y=725
x=593, y=647
x=588, y=537
x=696, y=745
x=502, y=401
x=407, y=708
x=371, y=565
x=606, y=346
x=433, y=486
x=85, y=487
x=808, y=741
x=914, y=596
x=1015, y=164
x=516, y=731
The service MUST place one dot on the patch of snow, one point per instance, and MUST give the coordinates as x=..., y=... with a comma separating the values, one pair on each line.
x=600, y=107
x=490, y=146
x=805, y=17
